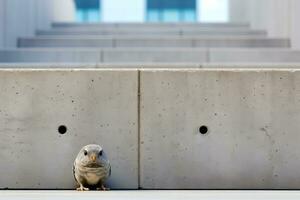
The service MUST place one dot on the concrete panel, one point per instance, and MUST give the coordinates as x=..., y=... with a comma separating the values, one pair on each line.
x=154, y=55
x=49, y=55
x=152, y=42
x=92, y=104
x=154, y=33
x=253, y=121
x=253, y=55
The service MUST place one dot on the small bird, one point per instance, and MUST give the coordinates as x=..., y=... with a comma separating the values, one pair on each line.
x=91, y=168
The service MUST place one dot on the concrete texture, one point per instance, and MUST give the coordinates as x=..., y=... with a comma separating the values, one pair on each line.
x=94, y=105
x=148, y=195
x=253, y=122
x=153, y=42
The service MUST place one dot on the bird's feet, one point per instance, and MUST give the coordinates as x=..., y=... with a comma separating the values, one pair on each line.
x=103, y=188
x=81, y=188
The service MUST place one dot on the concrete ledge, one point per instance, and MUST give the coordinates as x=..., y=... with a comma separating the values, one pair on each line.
x=92, y=104
x=153, y=42
x=252, y=118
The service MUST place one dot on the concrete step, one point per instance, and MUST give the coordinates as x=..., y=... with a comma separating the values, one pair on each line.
x=158, y=29
x=187, y=128
x=158, y=32
x=145, y=37
x=154, y=42
x=148, y=25
x=150, y=55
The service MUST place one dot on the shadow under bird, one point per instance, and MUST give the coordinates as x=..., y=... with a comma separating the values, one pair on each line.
x=91, y=168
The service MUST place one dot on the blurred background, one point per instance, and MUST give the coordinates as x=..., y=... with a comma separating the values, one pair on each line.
x=251, y=23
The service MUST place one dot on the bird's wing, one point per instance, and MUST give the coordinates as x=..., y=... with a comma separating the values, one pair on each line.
x=109, y=173
x=73, y=170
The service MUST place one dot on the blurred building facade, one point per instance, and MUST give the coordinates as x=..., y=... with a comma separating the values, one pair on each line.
x=154, y=10
x=23, y=18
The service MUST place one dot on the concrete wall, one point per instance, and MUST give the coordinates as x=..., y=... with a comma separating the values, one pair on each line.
x=22, y=18
x=252, y=118
x=96, y=106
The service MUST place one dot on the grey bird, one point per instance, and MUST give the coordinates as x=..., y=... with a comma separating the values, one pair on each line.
x=91, y=168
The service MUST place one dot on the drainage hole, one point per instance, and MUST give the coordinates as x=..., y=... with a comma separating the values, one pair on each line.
x=62, y=129
x=203, y=129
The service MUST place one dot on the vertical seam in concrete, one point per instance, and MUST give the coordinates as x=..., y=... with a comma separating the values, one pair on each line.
x=139, y=126
x=101, y=56
x=208, y=55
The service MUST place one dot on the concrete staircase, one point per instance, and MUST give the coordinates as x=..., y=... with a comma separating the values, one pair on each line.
x=175, y=106
x=151, y=43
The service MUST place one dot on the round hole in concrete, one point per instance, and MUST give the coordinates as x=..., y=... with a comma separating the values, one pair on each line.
x=203, y=130
x=62, y=129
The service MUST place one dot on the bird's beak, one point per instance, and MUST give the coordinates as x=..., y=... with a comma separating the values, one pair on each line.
x=93, y=157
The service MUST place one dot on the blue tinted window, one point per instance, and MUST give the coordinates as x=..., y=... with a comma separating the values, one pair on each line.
x=87, y=10
x=171, y=10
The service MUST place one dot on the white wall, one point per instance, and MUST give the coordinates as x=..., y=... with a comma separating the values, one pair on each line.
x=279, y=17
x=294, y=23
x=238, y=11
x=123, y=11
x=19, y=18
x=2, y=23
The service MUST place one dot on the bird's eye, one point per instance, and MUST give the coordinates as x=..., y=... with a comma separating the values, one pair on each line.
x=85, y=152
x=100, y=153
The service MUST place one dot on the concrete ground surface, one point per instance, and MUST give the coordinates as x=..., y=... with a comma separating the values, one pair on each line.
x=150, y=194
